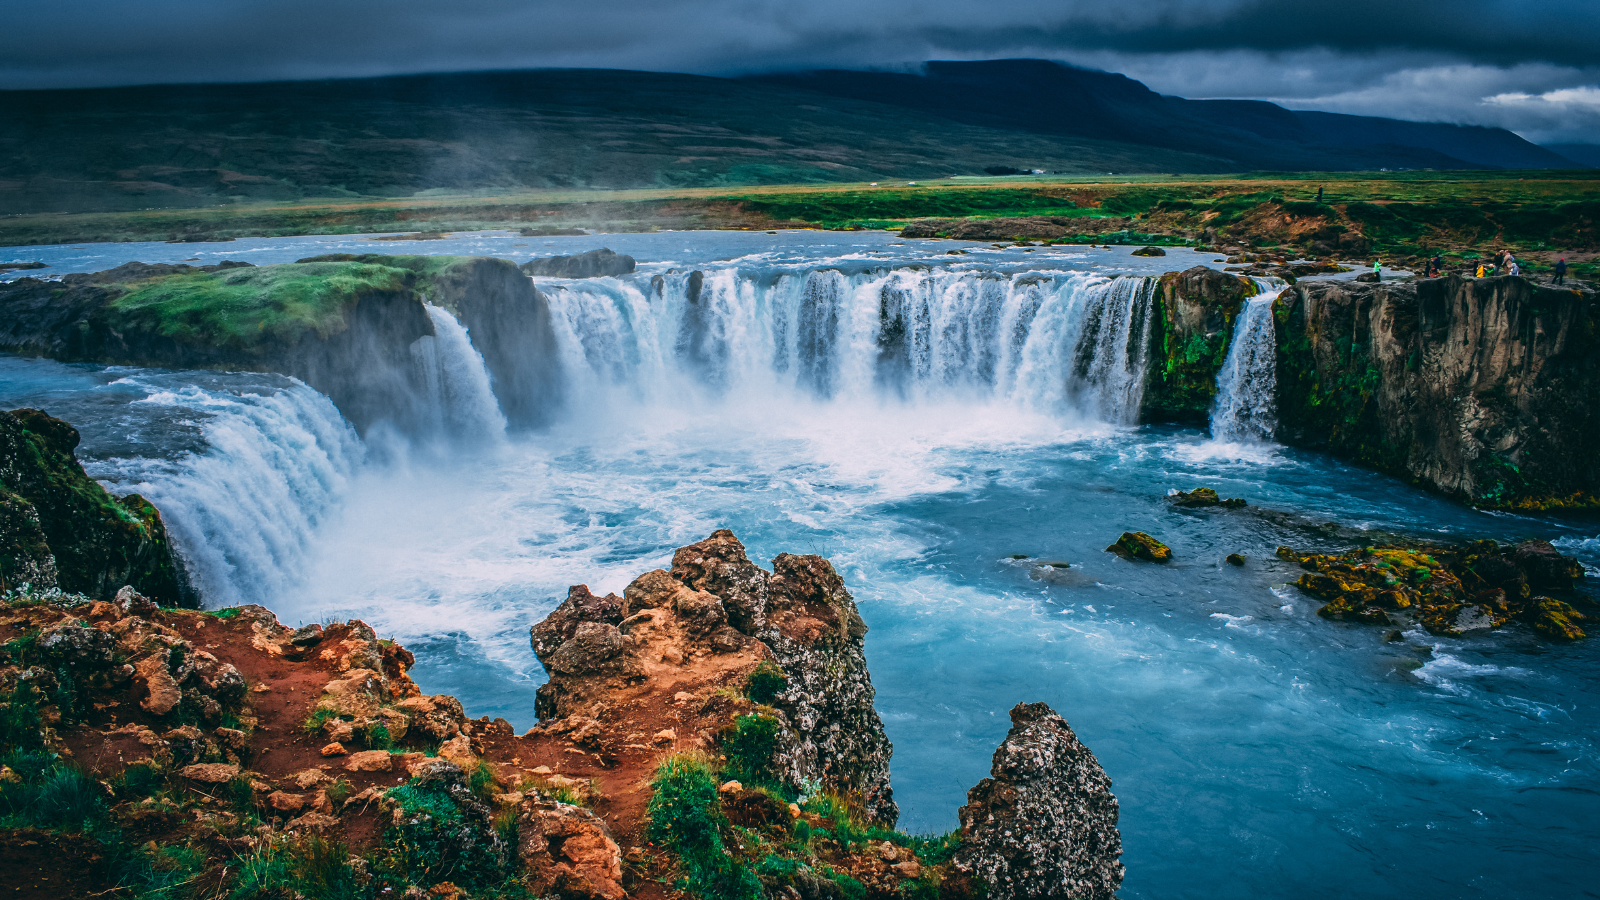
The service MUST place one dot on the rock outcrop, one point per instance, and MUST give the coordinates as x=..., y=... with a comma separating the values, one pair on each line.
x=593, y=264
x=1043, y=826
x=1193, y=331
x=711, y=621
x=1478, y=388
x=60, y=529
x=1448, y=589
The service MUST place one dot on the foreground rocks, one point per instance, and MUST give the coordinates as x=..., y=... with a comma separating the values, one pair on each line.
x=711, y=729
x=1448, y=590
x=1044, y=825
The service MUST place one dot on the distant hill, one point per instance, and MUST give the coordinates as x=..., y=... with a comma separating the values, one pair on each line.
x=1584, y=154
x=1050, y=98
x=198, y=145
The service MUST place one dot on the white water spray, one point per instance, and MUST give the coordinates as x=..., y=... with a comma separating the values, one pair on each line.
x=1056, y=343
x=460, y=403
x=243, y=513
x=1245, y=409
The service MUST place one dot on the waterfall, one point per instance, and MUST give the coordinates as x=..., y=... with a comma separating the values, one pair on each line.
x=459, y=401
x=1245, y=408
x=242, y=510
x=1054, y=342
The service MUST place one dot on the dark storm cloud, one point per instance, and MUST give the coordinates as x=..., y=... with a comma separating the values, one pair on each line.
x=1285, y=50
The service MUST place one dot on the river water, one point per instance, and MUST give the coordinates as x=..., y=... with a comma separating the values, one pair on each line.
x=920, y=419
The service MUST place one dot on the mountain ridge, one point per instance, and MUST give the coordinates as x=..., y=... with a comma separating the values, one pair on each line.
x=184, y=146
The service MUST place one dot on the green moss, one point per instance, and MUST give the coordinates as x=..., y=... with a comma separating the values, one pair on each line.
x=241, y=308
x=430, y=840
x=748, y=747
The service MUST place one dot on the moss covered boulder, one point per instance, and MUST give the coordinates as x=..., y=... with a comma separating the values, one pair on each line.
x=1138, y=545
x=60, y=529
x=1447, y=589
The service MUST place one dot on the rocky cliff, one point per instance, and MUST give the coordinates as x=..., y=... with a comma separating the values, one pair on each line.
x=343, y=324
x=60, y=529
x=715, y=618
x=1194, y=326
x=1484, y=389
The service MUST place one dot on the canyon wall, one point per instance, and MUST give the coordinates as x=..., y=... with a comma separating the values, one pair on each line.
x=1483, y=389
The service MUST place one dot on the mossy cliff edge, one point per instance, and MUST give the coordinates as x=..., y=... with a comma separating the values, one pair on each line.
x=60, y=530
x=1486, y=390
x=343, y=324
x=709, y=734
x=1483, y=389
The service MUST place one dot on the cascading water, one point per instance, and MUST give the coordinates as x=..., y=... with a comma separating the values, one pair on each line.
x=460, y=402
x=1245, y=408
x=1059, y=343
x=1236, y=723
x=275, y=458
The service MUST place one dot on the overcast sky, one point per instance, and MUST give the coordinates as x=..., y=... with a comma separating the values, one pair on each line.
x=1529, y=65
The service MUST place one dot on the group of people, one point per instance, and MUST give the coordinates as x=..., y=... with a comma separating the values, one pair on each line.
x=1503, y=263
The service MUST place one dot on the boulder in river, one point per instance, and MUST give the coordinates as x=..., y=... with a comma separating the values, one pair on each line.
x=1149, y=251
x=1200, y=497
x=1138, y=545
x=594, y=264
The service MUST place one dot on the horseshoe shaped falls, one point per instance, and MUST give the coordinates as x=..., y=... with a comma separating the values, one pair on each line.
x=948, y=430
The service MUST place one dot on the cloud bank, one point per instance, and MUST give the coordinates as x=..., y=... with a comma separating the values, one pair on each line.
x=1529, y=66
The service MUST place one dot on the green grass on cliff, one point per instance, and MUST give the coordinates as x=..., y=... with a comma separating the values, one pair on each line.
x=241, y=307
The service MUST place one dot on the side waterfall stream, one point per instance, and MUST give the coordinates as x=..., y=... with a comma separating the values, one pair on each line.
x=921, y=426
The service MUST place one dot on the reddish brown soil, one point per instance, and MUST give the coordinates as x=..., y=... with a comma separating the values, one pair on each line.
x=38, y=865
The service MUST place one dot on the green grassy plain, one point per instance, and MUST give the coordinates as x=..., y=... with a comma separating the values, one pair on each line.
x=1403, y=214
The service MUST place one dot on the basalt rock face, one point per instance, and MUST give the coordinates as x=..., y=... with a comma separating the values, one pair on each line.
x=803, y=613
x=60, y=529
x=711, y=621
x=1193, y=330
x=1478, y=388
x=1044, y=825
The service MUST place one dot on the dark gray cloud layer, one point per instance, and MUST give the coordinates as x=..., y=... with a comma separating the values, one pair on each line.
x=1525, y=65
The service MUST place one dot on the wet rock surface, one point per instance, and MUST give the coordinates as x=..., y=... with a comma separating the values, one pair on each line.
x=1044, y=824
x=1138, y=545
x=1448, y=589
x=1478, y=388
x=593, y=264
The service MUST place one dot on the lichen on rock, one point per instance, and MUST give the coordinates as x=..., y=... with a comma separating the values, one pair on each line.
x=1044, y=824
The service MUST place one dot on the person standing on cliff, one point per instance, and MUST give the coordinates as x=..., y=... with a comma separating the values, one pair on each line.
x=1561, y=272
x=1377, y=269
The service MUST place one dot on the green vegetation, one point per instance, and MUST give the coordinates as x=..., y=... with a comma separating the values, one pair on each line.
x=718, y=860
x=1400, y=213
x=765, y=683
x=686, y=817
x=748, y=747
x=432, y=840
x=242, y=307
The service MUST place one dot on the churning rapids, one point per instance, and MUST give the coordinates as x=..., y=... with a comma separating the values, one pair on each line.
x=919, y=421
